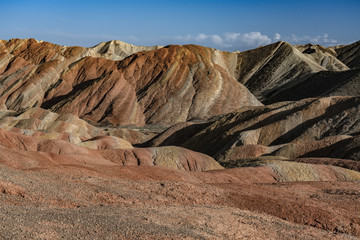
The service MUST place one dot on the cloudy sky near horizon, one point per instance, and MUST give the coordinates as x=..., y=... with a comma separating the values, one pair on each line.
x=226, y=24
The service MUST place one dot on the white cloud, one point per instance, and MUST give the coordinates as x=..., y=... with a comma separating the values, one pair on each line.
x=231, y=36
x=252, y=39
x=277, y=37
x=231, y=41
x=217, y=39
x=255, y=39
x=201, y=37
x=241, y=41
x=320, y=39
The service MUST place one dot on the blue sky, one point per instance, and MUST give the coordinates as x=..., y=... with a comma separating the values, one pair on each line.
x=226, y=24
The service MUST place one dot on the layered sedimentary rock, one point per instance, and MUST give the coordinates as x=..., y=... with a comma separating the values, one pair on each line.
x=349, y=54
x=269, y=67
x=273, y=69
x=249, y=132
x=179, y=82
x=324, y=83
x=336, y=80
x=142, y=135
x=325, y=57
x=16, y=148
x=68, y=127
x=116, y=50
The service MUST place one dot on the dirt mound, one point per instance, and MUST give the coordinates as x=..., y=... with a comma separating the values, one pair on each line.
x=102, y=150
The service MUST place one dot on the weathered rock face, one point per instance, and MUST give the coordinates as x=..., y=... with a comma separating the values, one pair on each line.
x=116, y=50
x=98, y=151
x=67, y=127
x=95, y=90
x=185, y=82
x=274, y=71
x=165, y=86
x=35, y=121
x=320, y=84
x=170, y=157
x=344, y=163
x=285, y=170
x=348, y=148
x=63, y=146
x=251, y=132
x=335, y=80
x=267, y=68
x=349, y=54
x=325, y=57
x=39, y=51
x=181, y=84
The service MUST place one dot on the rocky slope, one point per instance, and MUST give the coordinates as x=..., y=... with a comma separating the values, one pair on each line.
x=309, y=125
x=177, y=141
x=272, y=72
x=325, y=57
x=143, y=88
x=266, y=68
x=116, y=50
x=109, y=151
x=349, y=54
x=324, y=83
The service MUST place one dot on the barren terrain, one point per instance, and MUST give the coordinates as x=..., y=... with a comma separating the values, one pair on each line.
x=179, y=142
